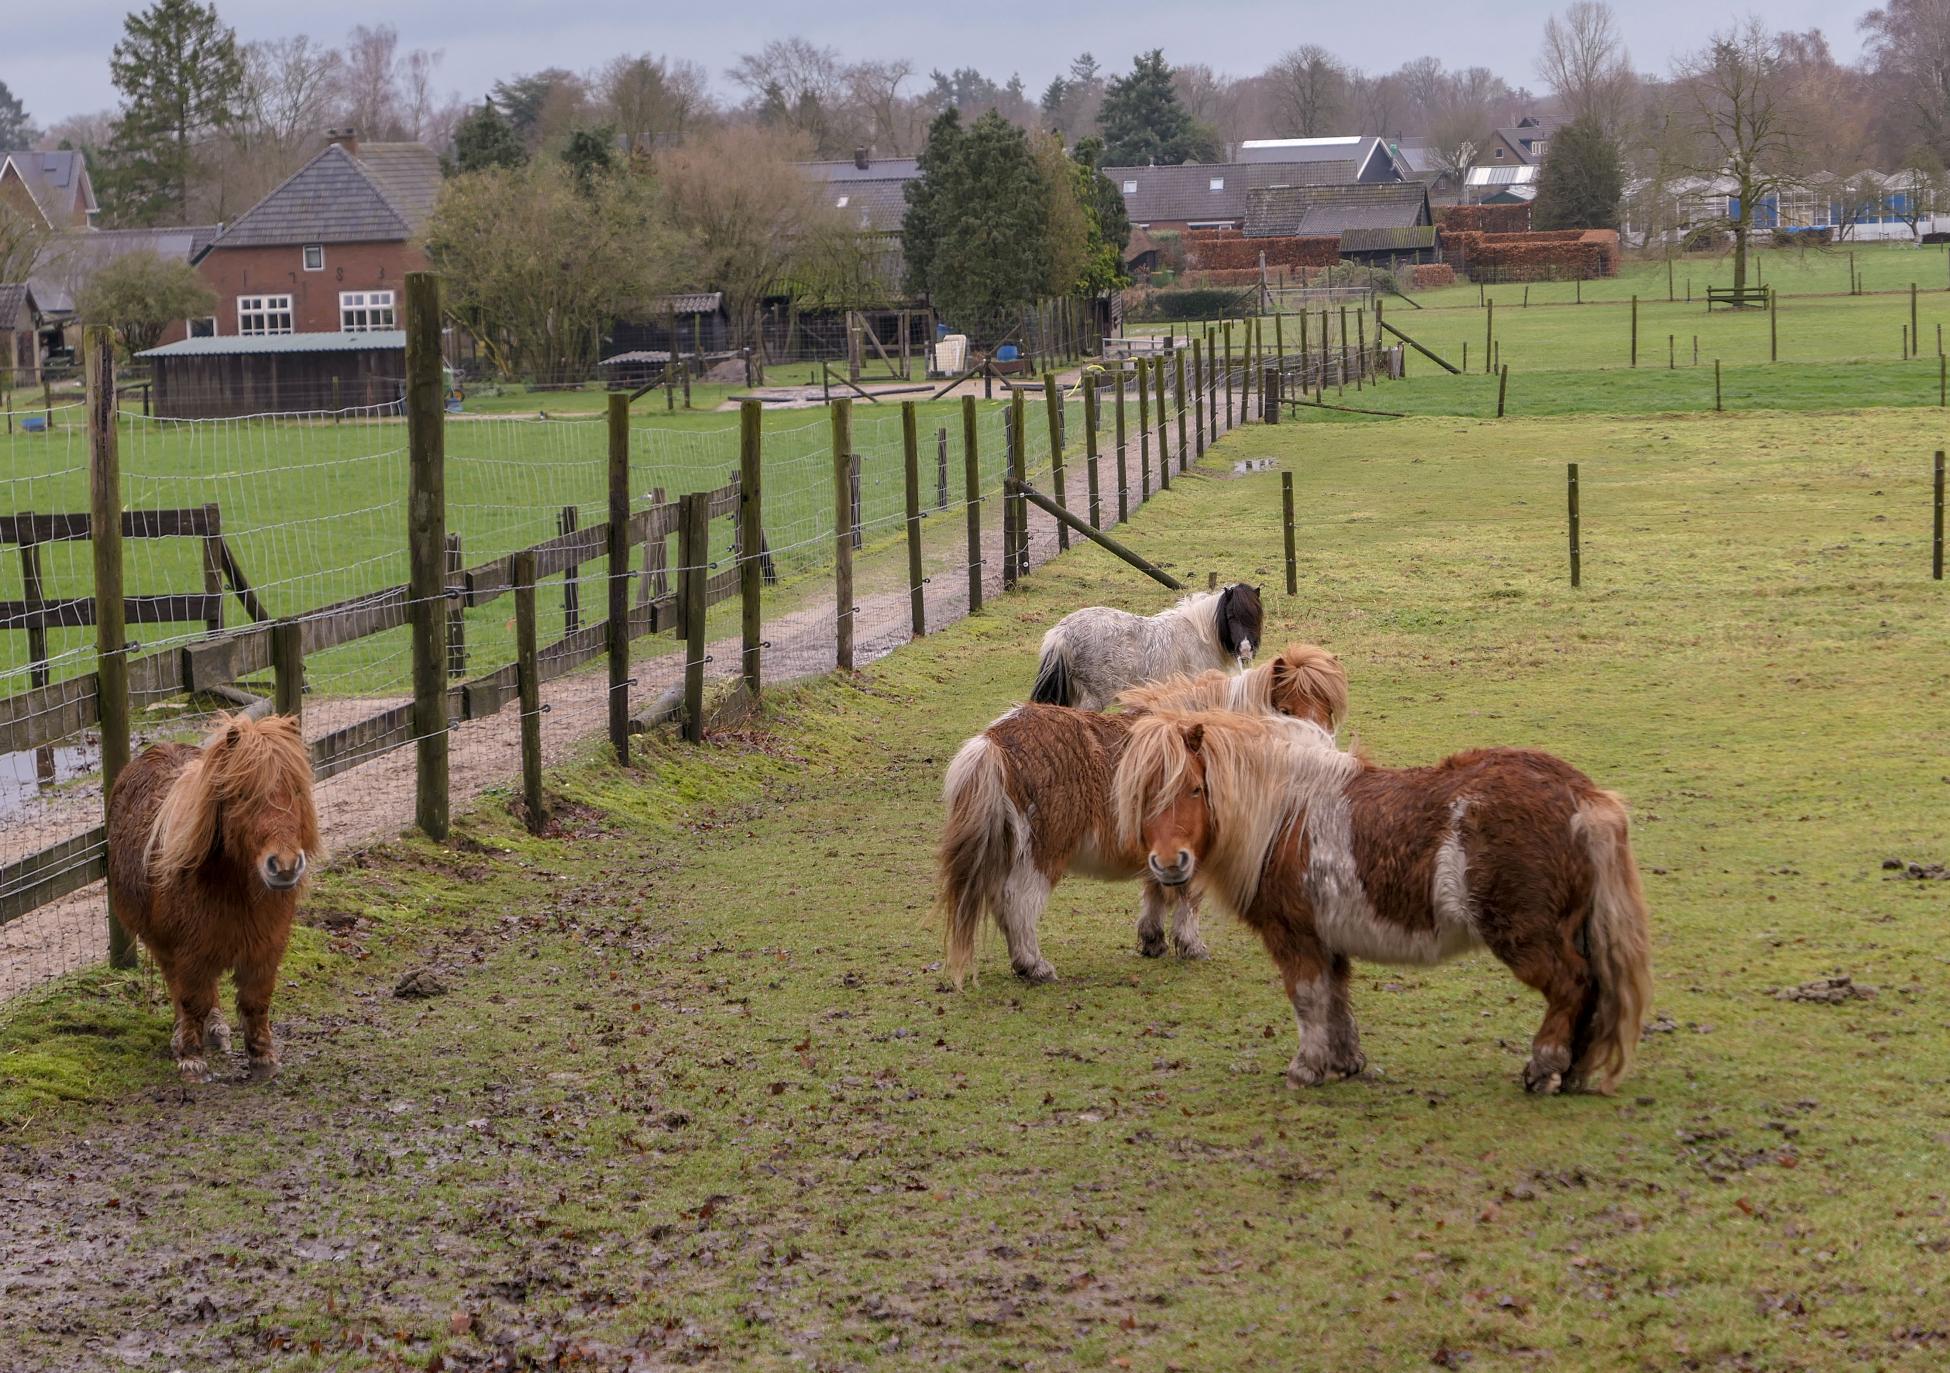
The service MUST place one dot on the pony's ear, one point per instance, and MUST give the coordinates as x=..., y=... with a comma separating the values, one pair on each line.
x=1194, y=736
x=234, y=735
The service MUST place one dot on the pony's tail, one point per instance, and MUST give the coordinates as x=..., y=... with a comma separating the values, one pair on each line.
x=978, y=847
x=1619, y=943
x=1054, y=686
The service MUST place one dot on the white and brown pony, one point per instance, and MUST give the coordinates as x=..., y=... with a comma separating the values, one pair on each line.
x=1028, y=801
x=1329, y=859
x=208, y=854
x=1094, y=653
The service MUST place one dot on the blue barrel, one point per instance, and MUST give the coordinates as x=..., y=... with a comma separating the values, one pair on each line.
x=1008, y=352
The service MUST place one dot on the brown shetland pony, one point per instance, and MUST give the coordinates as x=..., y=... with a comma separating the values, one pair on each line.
x=1329, y=858
x=208, y=851
x=1029, y=800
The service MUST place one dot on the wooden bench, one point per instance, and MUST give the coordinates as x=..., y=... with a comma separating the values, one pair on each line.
x=1738, y=298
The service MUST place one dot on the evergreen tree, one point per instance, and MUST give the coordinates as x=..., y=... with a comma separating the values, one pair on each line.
x=1581, y=182
x=1143, y=123
x=979, y=224
x=181, y=79
x=16, y=129
x=1100, y=193
x=591, y=153
x=486, y=139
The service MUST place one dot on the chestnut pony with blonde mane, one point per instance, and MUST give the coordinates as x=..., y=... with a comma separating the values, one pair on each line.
x=1029, y=800
x=1329, y=858
x=208, y=852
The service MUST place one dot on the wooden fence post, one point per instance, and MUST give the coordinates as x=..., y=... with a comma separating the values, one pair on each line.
x=1773, y=328
x=1635, y=331
x=1202, y=422
x=1502, y=388
x=567, y=523
x=618, y=635
x=1936, y=541
x=941, y=468
x=288, y=668
x=1178, y=384
x=751, y=540
x=1718, y=395
x=694, y=575
x=427, y=547
x=1571, y=490
x=105, y=537
x=1164, y=424
x=1123, y=473
x=1092, y=476
x=972, y=491
x=1009, y=431
x=1226, y=371
x=456, y=610
x=1060, y=488
x=1269, y=393
x=1019, y=469
x=528, y=683
x=1143, y=366
x=1915, y=337
x=911, y=478
x=1292, y=566
x=842, y=531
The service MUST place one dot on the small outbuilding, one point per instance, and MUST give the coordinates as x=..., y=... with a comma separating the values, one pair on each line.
x=259, y=374
x=20, y=350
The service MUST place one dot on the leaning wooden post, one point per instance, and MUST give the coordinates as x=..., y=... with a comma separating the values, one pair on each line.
x=911, y=478
x=751, y=541
x=426, y=533
x=1178, y=381
x=972, y=493
x=1571, y=488
x=1202, y=422
x=288, y=668
x=694, y=575
x=105, y=536
x=843, y=531
x=1093, y=482
x=1936, y=541
x=618, y=629
x=1502, y=388
x=1286, y=502
x=1060, y=488
x=1123, y=471
x=1144, y=431
x=528, y=683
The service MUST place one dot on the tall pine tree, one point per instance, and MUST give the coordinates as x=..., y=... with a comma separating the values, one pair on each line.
x=16, y=129
x=181, y=79
x=1581, y=182
x=976, y=233
x=1144, y=124
x=486, y=139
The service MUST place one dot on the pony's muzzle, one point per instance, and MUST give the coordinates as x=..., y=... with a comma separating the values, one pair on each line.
x=280, y=876
x=1175, y=875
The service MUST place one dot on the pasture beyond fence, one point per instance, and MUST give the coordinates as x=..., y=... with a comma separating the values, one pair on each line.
x=434, y=593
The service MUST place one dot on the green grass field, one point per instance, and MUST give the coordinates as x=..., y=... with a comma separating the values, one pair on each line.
x=697, y=1093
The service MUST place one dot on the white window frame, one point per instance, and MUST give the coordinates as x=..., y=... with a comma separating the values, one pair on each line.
x=367, y=307
x=190, y=326
x=840, y=204
x=1130, y=188
x=309, y=249
x=1217, y=183
x=265, y=314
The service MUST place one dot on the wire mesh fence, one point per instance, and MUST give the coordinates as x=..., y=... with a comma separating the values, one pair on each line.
x=233, y=527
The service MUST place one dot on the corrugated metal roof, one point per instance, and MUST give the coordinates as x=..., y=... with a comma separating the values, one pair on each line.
x=1502, y=176
x=370, y=340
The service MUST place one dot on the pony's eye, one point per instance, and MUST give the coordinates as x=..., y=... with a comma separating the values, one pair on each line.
x=1198, y=791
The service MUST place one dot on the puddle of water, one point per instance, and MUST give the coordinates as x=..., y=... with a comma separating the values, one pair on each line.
x=1256, y=465
x=21, y=779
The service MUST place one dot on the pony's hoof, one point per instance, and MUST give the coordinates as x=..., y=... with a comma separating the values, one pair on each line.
x=1193, y=948
x=1540, y=1081
x=263, y=1069
x=1152, y=945
x=217, y=1030
x=192, y=1070
x=1037, y=973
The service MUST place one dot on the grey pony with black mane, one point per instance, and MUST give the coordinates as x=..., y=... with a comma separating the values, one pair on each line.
x=1094, y=653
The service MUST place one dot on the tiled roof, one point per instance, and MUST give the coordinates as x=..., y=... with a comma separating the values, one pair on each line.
x=687, y=303
x=12, y=297
x=1388, y=240
x=53, y=179
x=75, y=258
x=1154, y=195
x=1285, y=211
x=1369, y=153
x=381, y=340
x=879, y=206
x=880, y=169
x=381, y=196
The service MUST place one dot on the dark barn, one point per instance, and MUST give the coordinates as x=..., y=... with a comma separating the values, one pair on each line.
x=221, y=378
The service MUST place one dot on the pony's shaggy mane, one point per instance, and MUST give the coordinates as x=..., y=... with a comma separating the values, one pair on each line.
x=249, y=764
x=1261, y=774
x=1306, y=670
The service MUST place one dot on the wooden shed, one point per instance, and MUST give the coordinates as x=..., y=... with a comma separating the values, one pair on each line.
x=259, y=374
x=20, y=353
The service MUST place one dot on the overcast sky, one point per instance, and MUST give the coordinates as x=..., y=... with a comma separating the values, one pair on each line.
x=55, y=55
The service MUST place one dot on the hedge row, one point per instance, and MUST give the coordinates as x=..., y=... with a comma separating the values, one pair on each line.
x=1561, y=255
x=1223, y=249
x=1484, y=219
x=1427, y=276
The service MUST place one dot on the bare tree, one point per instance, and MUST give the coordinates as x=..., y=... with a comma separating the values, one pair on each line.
x=895, y=123
x=1909, y=43
x=1375, y=103
x=650, y=100
x=1745, y=125
x=795, y=84
x=1585, y=62
x=369, y=99
x=1309, y=88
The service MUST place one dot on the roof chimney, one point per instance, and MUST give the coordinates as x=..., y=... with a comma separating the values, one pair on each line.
x=347, y=138
x=860, y=158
